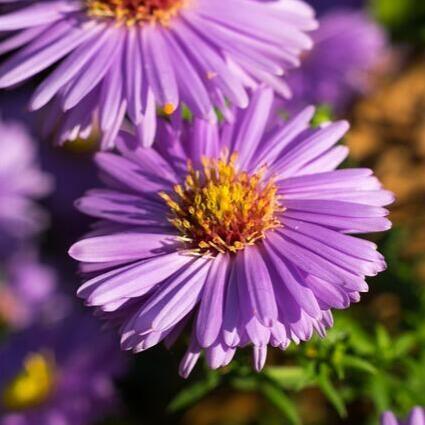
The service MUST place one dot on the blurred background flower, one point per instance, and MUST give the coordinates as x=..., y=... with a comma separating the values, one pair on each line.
x=60, y=373
x=21, y=183
x=347, y=46
x=28, y=291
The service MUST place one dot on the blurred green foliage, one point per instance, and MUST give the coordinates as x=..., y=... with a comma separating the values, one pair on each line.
x=404, y=19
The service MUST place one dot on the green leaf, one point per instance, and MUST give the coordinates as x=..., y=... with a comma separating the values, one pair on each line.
x=281, y=401
x=190, y=395
x=358, y=338
x=330, y=391
x=289, y=377
x=383, y=341
x=403, y=345
x=186, y=113
x=323, y=114
x=390, y=12
x=352, y=362
x=338, y=360
x=380, y=392
x=245, y=383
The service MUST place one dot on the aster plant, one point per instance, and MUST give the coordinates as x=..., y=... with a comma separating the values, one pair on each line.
x=241, y=232
x=116, y=58
x=50, y=375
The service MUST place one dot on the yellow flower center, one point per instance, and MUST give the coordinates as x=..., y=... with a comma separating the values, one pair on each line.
x=133, y=12
x=32, y=386
x=221, y=209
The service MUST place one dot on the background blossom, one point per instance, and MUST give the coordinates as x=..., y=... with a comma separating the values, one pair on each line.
x=347, y=47
x=62, y=380
x=28, y=291
x=21, y=182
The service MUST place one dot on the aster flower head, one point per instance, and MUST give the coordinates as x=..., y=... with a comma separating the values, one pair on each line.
x=116, y=58
x=347, y=46
x=21, y=182
x=416, y=417
x=238, y=231
x=50, y=375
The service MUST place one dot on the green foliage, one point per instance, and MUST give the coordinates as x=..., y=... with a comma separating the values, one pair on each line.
x=404, y=19
x=194, y=392
x=281, y=401
x=290, y=377
x=323, y=114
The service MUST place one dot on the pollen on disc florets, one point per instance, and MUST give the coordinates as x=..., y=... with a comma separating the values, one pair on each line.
x=133, y=12
x=221, y=209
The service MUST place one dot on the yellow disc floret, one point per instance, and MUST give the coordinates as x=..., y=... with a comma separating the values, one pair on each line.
x=32, y=386
x=221, y=209
x=133, y=12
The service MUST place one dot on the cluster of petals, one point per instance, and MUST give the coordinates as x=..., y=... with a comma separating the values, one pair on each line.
x=143, y=278
x=103, y=71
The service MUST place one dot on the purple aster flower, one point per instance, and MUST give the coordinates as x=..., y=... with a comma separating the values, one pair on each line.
x=21, y=181
x=52, y=375
x=240, y=230
x=127, y=57
x=348, y=44
x=28, y=291
x=416, y=417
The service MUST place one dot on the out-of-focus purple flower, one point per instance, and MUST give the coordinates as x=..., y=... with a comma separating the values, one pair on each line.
x=416, y=417
x=348, y=44
x=21, y=182
x=28, y=291
x=61, y=374
x=241, y=229
x=117, y=58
